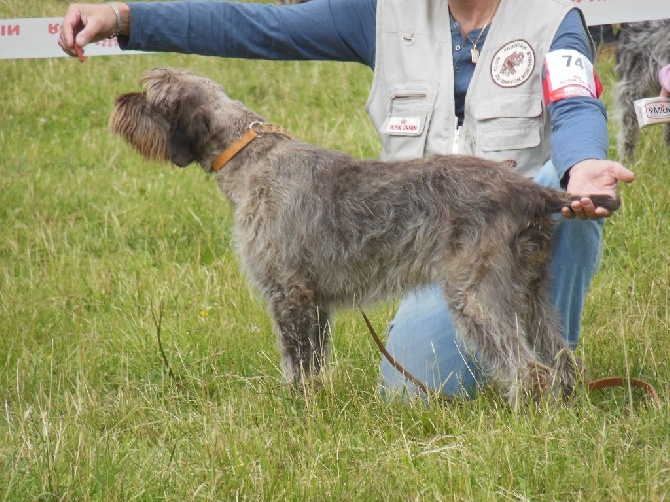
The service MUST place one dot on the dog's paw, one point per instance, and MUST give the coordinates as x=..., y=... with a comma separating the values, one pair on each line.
x=568, y=373
x=532, y=386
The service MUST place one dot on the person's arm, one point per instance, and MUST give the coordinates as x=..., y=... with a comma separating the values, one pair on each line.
x=579, y=124
x=579, y=141
x=341, y=30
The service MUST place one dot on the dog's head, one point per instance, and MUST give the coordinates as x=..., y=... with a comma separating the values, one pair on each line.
x=179, y=117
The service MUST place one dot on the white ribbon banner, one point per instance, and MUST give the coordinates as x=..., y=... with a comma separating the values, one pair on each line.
x=37, y=37
x=622, y=11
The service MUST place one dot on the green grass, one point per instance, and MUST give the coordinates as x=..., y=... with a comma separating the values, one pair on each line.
x=95, y=243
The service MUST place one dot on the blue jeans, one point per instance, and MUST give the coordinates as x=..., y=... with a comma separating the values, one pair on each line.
x=422, y=337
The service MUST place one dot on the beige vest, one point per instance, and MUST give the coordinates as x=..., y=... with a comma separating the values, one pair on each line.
x=411, y=102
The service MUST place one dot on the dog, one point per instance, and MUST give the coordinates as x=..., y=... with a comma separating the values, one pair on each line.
x=643, y=48
x=317, y=230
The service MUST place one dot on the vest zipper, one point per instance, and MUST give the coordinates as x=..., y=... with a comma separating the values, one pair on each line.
x=457, y=138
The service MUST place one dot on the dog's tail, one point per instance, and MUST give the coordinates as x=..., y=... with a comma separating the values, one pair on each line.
x=556, y=200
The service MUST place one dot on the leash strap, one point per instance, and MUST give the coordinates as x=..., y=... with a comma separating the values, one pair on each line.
x=399, y=367
x=255, y=130
x=602, y=383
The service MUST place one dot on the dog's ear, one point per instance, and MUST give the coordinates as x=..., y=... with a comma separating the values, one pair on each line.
x=190, y=134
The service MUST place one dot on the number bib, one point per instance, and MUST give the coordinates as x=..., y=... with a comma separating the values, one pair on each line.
x=568, y=73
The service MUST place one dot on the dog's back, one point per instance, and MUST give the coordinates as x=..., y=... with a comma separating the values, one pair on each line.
x=365, y=216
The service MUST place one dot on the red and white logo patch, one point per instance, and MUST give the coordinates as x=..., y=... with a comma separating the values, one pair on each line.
x=513, y=64
x=404, y=126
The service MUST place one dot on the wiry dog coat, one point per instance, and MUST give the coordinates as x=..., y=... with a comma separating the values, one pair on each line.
x=643, y=49
x=318, y=230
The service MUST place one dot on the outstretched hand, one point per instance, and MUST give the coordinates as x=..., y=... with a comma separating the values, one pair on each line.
x=593, y=176
x=86, y=23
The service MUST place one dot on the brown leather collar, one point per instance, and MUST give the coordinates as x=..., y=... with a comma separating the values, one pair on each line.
x=255, y=130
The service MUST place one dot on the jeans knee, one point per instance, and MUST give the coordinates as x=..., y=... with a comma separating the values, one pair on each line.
x=423, y=340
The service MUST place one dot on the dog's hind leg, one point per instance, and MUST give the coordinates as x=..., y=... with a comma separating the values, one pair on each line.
x=489, y=314
x=544, y=336
x=541, y=323
x=303, y=333
x=497, y=340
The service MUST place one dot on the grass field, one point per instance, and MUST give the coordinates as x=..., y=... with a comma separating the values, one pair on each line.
x=99, y=251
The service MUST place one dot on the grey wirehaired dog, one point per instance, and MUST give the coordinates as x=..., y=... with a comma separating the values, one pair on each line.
x=317, y=230
x=643, y=49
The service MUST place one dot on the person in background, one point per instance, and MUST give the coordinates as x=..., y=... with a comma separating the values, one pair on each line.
x=664, y=79
x=508, y=80
x=603, y=35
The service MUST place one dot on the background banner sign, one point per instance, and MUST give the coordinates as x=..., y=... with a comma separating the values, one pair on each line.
x=37, y=37
x=623, y=11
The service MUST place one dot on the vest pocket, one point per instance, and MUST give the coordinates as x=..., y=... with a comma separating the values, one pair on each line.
x=410, y=107
x=511, y=131
x=509, y=134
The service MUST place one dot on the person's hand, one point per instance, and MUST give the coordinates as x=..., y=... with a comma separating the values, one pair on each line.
x=665, y=93
x=86, y=23
x=593, y=176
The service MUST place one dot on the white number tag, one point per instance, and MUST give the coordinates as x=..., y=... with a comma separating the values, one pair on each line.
x=568, y=73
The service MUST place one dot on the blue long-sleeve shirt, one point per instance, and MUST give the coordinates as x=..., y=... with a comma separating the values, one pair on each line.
x=344, y=30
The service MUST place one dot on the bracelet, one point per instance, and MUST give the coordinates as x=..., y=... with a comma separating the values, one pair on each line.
x=118, y=20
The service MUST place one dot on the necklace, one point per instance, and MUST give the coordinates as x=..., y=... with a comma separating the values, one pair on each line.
x=474, y=52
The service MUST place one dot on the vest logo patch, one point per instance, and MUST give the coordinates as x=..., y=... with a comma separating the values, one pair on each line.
x=403, y=126
x=513, y=64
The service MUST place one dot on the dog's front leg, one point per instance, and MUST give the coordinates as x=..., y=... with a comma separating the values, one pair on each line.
x=303, y=333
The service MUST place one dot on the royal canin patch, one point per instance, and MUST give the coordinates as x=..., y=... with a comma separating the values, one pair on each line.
x=404, y=126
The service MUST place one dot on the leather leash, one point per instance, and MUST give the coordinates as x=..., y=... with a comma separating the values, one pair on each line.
x=592, y=386
x=604, y=383
x=420, y=385
x=254, y=130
